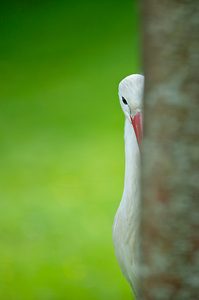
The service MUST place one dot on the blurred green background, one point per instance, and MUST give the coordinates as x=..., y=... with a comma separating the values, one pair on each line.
x=61, y=153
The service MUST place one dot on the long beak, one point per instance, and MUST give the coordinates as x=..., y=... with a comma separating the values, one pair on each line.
x=137, y=126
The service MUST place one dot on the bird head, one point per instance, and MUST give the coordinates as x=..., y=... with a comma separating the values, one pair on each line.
x=131, y=91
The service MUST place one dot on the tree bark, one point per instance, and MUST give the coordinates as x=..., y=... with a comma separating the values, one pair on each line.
x=169, y=262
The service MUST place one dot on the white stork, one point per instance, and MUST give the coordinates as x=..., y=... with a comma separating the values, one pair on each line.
x=126, y=220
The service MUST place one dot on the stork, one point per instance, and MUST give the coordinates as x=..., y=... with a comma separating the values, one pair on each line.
x=126, y=222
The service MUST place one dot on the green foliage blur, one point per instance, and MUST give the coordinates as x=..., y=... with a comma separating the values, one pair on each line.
x=61, y=153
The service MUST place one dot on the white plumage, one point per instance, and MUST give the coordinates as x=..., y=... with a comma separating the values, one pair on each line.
x=126, y=220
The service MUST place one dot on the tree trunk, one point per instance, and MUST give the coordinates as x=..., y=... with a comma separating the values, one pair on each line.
x=169, y=261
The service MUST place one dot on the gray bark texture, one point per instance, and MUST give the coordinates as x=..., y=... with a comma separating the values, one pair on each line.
x=169, y=262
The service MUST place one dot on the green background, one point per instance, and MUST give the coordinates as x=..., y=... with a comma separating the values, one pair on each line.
x=61, y=153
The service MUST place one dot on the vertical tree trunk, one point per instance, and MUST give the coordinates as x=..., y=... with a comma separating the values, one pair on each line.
x=170, y=183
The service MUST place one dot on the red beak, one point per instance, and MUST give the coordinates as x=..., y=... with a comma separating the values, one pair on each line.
x=137, y=125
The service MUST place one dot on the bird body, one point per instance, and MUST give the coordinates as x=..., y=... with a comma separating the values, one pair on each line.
x=126, y=221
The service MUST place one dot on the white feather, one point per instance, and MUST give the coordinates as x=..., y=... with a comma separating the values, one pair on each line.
x=126, y=221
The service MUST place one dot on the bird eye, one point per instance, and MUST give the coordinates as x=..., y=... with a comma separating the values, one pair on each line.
x=124, y=101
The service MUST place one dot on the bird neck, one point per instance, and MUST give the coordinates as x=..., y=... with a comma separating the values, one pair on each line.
x=132, y=164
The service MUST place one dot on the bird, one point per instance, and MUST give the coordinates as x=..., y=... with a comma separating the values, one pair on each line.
x=126, y=221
